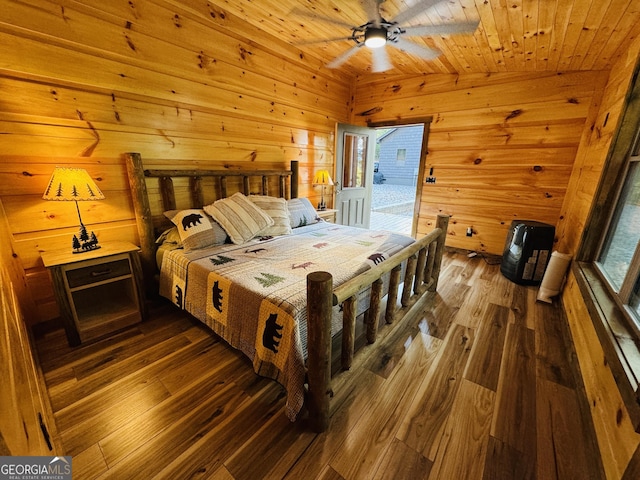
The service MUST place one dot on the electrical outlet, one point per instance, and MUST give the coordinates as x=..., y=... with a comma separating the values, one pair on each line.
x=469, y=232
x=431, y=178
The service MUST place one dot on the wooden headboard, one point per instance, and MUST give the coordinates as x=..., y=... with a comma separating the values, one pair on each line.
x=151, y=221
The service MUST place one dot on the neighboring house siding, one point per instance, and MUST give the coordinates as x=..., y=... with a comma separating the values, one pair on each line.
x=397, y=172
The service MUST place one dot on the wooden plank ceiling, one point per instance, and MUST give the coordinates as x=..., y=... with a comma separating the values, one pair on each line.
x=512, y=35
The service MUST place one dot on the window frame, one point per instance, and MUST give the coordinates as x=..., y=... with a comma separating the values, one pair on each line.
x=356, y=150
x=619, y=339
x=622, y=297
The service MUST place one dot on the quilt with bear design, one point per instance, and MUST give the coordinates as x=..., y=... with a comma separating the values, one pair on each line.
x=254, y=295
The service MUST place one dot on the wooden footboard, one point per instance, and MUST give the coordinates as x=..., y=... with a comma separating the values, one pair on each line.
x=424, y=259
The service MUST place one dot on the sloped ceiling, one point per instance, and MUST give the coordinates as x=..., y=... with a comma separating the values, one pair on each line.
x=512, y=35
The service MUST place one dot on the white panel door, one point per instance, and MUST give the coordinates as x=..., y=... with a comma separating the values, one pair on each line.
x=355, y=153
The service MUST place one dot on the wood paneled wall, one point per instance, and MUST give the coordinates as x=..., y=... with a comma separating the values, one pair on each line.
x=501, y=146
x=84, y=82
x=24, y=405
x=616, y=435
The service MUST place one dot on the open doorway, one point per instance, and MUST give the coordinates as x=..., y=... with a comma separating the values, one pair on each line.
x=396, y=173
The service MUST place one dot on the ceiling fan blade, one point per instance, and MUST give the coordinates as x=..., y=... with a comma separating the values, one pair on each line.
x=314, y=16
x=343, y=57
x=321, y=40
x=380, y=60
x=425, y=53
x=372, y=10
x=414, y=11
x=445, y=29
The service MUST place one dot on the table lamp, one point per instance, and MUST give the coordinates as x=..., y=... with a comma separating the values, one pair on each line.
x=75, y=184
x=323, y=178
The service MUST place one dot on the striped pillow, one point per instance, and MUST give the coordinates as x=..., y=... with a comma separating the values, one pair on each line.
x=239, y=217
x=277, y=209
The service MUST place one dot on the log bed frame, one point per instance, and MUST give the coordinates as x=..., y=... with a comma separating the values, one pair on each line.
x=423, y=262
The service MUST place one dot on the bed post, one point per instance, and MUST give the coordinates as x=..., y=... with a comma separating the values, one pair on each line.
x=319, y=311
x=143, y=217
x=295, y=178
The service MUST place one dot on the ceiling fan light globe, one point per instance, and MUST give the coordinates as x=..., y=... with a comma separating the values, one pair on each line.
x=375, y=37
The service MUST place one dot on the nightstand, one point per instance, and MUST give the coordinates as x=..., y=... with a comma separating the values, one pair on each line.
x=328, y=214
x=98, y=292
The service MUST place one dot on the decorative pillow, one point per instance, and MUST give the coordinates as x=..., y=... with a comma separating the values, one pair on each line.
x=170, y=235
x=196, y=228
x=240, y=218
x=301, y=212
x=277, y=209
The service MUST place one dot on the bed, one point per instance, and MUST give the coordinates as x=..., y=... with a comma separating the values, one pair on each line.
x=273, y=280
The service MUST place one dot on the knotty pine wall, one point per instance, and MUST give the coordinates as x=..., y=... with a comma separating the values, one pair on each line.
x=85, y=82
x=501, y=145
x=23, y=399
x=616, y=435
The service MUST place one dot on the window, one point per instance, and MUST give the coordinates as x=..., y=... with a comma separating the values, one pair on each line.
x=607, y=267
x=401, y=156
x=355, y=155
x=619, y=257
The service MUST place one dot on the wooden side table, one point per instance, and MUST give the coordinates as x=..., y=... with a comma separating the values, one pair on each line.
x=99, y=291
x=328, y=214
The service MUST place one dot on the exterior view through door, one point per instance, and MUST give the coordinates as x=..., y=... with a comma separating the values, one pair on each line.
x=396, y=173
x=376, y=176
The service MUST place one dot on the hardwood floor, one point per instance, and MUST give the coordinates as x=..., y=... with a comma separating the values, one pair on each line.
x=485, y=385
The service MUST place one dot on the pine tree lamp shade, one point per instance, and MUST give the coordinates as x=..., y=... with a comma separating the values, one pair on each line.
x=74, y=184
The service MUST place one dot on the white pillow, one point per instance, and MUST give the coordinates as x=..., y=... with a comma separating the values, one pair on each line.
x=239, y=217
x=277, y=209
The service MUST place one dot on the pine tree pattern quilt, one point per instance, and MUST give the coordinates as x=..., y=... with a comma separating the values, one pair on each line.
x=254, y=295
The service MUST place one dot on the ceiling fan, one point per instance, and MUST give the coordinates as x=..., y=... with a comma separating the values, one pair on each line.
x=379, y=32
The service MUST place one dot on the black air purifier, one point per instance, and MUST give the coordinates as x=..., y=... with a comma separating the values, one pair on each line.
x=527, y=251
